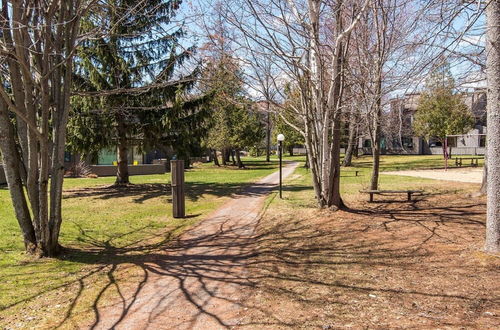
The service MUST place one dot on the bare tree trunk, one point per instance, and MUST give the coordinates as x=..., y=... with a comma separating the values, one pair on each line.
x=376, y=140
x=492, y=243
x=381, y=21
x=268, y=135
x=444, y=146
x=335, y=199
x=11, y=167
x=122, y=175
x=484, y=183
x=375, y=164
x=351, y=141
x=232, y=151
x=224, y=157
x=238, y=159
x=216, y=159
x=60, y=120
x=331, y=173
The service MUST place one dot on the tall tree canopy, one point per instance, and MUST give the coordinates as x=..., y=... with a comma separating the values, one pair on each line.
x=130, y=85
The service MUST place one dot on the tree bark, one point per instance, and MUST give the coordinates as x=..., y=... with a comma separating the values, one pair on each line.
x=238, y=159
x=224, y=157
x=445, y=147
x=290, y=151
x=268, y=135
x=492, y=243
x=484, y=183
x=11, y=163
x=380, y=20
x=375, y=165
x=216, y=159
x=350, y=144
x=232, y=157
x=331, y=135
x=376, y=135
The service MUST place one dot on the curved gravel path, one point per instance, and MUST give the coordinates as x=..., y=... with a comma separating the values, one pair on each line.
x=472, y=175
x=199, y=282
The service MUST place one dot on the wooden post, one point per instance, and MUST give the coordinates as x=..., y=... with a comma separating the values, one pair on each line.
x=178, y=198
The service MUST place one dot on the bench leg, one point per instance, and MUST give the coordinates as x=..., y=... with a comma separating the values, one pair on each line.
x=371, y=197
x=409, y=197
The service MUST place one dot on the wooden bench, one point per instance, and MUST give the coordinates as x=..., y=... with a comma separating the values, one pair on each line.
x=380, y=192
x=356, y=173
x=473, y=161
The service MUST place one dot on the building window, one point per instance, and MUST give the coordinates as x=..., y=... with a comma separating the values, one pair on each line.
x=452, y=142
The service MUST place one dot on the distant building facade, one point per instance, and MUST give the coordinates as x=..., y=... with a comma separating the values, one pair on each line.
x=398, y=136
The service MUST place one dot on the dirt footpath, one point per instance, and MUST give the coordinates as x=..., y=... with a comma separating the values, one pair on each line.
x=198, y=282
x=472, y=175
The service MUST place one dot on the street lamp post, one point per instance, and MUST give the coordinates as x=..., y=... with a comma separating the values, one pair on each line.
x=281, y=138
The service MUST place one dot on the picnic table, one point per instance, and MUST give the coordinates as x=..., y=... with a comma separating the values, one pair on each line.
x=409, y=193
x=356, y=172
x=473, y=160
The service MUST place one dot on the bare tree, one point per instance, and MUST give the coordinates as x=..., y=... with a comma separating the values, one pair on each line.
x=353, y=129
x=260, y=79
x=307, y=41
x=38, y=41
x=380, y=46
x=492, y=243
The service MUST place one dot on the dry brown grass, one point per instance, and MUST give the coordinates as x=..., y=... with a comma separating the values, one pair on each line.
x=378, y=265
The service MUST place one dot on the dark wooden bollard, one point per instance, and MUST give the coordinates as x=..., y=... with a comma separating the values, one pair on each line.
x=178, y=199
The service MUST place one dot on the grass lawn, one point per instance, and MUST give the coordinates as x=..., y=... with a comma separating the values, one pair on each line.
x=389, y=264
x=102, y=228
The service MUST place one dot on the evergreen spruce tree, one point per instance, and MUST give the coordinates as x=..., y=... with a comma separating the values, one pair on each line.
x=129, y=86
